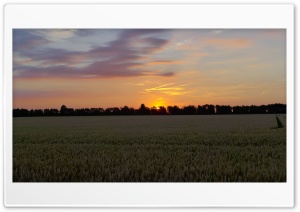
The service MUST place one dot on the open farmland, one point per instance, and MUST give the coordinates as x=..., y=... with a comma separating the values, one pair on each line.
x=212, y=148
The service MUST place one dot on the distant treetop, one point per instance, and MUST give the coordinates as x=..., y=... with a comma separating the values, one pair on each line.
x=161, y=110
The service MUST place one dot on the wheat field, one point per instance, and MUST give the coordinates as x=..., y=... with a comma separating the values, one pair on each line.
x=211, y=148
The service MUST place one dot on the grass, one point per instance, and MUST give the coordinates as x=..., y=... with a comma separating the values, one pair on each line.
x=229, y=148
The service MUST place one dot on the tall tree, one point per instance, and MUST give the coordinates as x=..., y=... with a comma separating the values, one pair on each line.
x=63, y=110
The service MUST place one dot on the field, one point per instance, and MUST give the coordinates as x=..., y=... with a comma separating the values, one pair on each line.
x=212, y=148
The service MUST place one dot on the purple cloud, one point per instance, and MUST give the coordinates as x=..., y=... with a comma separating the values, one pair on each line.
x=23, y=40
x=119, y=58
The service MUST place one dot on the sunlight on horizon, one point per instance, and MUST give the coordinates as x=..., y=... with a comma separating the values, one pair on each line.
x=156, y=67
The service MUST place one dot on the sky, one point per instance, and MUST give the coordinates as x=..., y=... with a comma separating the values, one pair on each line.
x=157, y=67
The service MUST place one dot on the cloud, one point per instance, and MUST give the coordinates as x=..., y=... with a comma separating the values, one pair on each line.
x=170, y=89
x=85, y=32
x=103, y=69
x=27, y=39
x=22, y=61
x=30, y=93
x=55, y=34
x=122, y=57
x=229, y=43
x=161, y=87
x=24, y=40
x=128, y=33
x=216, y=32
x=164, y=62
x=168, y=74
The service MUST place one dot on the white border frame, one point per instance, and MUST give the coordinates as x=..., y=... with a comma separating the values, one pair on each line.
x=147, y=194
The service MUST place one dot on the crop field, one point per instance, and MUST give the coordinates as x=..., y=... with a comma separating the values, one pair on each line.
x=209, y=148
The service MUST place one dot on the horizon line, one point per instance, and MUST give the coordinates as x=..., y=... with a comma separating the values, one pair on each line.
x=152, y=107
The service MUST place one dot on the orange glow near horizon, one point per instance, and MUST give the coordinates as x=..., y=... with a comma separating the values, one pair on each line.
x=127, y=67
x=159, y=102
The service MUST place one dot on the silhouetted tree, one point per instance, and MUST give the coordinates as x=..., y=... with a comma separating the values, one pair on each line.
x=63, y=110
x=154, y=110
x=241, y=109
x=276, y=108
x=262, y=109
x=126, y=111
x=80, y=112
x=20, y=112
x=143, y=110
x=223, y=109
x=108, y=111
x=170, y=110
x=36, y=112
x=51, y=112
x=87, y=111
x=143, y=107
x=70, y=111
x=189, y=110
x=206, y=109
x=161, y=110
x=200, y=110
x=96, y=111
x=174, y=110
x=116, y=111
x=253, y=109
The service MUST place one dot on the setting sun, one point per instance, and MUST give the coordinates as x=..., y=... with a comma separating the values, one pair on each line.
x=159, y=102
x=157, y=67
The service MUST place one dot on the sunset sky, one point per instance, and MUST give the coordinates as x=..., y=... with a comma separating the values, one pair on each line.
x=158, y=67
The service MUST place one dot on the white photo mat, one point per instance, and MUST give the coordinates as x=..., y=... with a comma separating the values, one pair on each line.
x=79, y=16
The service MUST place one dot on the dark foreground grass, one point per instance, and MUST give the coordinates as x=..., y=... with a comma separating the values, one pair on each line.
x=149, y=149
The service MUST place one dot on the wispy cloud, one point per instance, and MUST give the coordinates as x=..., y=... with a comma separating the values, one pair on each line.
x=55, y=34
x=170, y=89
x=159, y=88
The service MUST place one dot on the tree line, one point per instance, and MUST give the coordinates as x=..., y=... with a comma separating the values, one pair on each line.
x=207, y=109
